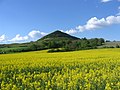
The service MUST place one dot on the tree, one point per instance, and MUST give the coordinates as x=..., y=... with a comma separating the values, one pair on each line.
x=84, y=43
x=33, y=47
x=117, y=46
x=101, y=41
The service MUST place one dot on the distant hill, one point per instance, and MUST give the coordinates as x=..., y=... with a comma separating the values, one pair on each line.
x=55, y=42
x=110, y=44
x=58, y=35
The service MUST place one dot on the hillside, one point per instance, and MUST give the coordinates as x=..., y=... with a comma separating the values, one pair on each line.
x=54, y=40
x=58, y=35
x=110, y=44
x=114, y=43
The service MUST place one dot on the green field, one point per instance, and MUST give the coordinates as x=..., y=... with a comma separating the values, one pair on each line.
x=97, y=69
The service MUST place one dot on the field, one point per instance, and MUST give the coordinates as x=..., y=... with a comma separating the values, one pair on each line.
x=110, y=44
x=97, y=69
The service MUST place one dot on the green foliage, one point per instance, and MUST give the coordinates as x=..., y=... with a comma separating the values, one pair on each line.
x=83, y=44
x=58, y=35
x=13, y=50
x=117, y=46
x=53, y=41
x=33, y=47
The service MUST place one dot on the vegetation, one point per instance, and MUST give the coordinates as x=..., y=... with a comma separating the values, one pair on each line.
x=81, y=44
x=58, y=35
x=111, y=44
x=78, y=70
x=59, y=42
x=54, y=41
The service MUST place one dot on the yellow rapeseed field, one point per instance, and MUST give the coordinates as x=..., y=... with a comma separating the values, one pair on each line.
x=97, y=69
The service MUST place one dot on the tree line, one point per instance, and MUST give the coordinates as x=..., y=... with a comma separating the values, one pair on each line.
x=58, y=46
x=81, y=44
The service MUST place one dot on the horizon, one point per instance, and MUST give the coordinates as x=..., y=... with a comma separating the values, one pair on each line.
x=27, y=20
x=62, y=32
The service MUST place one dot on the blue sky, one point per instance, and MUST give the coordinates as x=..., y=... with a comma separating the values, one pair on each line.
x=26, y=20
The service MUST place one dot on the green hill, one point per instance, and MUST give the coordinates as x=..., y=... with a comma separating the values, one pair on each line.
x=55, y=40
x=58, y=35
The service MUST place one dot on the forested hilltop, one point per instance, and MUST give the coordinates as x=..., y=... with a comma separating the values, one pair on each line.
x=56, y=42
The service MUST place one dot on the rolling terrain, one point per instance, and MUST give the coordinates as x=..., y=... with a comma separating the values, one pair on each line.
x=53, y=41
x=111, y=44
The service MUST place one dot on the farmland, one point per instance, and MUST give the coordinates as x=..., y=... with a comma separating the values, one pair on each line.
x=96, y=69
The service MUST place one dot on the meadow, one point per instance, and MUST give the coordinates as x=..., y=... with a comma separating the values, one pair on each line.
x=97, y=69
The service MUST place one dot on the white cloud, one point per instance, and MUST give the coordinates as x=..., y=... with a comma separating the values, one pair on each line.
x=118, y=11
x=92, y=24
x=36, y=34
x=71, y=31
x=2, y=38
x=95, y=23
x=104, y=1
x=31, y=35
x=19, y=38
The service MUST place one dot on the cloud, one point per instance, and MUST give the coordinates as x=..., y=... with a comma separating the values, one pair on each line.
x=119, y=7
x=95, y=23
x=118, y=11
x=31, y=35
x=92, y=24
x=2, y=38
x=36, y=34
x=71, y=31
x=104, y=1
x=19, y=38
